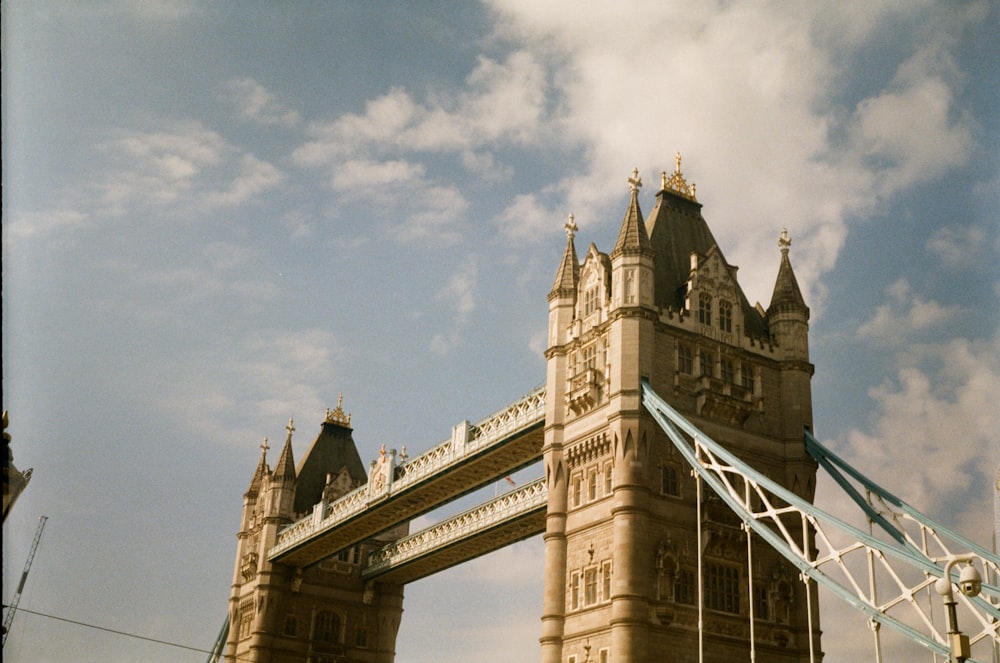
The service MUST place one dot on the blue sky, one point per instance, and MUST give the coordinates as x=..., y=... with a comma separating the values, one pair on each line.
x=217, y=216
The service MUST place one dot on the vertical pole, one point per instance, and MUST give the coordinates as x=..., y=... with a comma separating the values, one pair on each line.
x=749, y=531
x=807, y=551
x=701, y=582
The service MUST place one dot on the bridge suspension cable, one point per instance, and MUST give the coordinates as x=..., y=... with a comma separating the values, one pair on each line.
x=849, y=563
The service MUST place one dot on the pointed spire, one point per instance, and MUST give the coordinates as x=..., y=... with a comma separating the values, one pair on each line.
x=786, y=295
x=568, y=274
x=262, y=471
x=632, y=237
x=285, y=468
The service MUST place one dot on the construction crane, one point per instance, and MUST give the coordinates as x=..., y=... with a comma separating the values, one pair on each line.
x=24, y=576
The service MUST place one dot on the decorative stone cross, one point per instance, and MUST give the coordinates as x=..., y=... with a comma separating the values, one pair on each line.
x=570, y=226
x=264, y=447
x=677, y=160
x=290, y=428
x=784, y=241
x=635, y=181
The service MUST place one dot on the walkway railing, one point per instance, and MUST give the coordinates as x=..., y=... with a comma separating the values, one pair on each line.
x=466, y=441
x=509, y=506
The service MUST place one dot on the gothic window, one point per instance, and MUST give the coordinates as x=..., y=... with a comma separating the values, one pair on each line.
x=327, y=627
x=291, y=625
x=604, y=656
x=590, y=586
x=705, y=309
x=577, y=490
x=574, y=591
x=728, y=373
x=684, y=587
x=246, y=617
x=760, y=602
x=748, y=377
x=684, y=362
x=592, y=485
x=630, y=286
x=722, y=588
x=606, y=581
x=591, y=300
x=707, y=364
x=590, y=356
x=346, y=555
x=571, y=658
x=725, y=316
x=607, y=479
x=361, y=637
x=668, y=481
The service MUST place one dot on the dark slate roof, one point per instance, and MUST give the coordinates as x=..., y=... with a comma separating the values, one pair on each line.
x=677, y=229
x=332, y=451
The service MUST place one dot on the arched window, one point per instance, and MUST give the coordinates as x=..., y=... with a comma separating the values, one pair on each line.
x=705, y=309
x=668, y=481
x=684, y=362
x=725, y=316
x=327, y=627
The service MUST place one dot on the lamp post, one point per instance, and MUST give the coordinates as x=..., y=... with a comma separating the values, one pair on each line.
x=971, y=583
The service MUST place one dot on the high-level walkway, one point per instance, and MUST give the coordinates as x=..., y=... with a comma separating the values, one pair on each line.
x=475, y=456
x=506, y=519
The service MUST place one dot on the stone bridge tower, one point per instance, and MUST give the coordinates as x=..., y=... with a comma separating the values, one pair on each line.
x=620, y=540
x=326, y=612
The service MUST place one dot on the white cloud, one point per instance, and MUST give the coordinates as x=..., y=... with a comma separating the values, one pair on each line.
x=256, y=104
x=961, y=246
x=757, y=87
x=911, y=130
x=44, y=222
x=503, y=101
x=365, y=177
x=904, y=315
x=255, y=177
x=459, y=295
x=933, y=441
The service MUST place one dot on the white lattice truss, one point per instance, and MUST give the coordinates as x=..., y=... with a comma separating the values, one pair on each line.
x=495, y=429
x=477, y=520
x=891, y=582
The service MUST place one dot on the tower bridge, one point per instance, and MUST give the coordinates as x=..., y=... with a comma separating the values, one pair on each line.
x=674, y=439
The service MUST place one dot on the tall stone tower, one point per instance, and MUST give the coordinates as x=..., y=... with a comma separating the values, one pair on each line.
x=620, y=540
x=325, y=612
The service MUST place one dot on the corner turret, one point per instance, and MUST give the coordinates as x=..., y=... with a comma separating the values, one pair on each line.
x=788, y=315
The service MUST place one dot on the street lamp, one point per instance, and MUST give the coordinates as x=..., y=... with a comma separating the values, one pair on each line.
x=971, y=583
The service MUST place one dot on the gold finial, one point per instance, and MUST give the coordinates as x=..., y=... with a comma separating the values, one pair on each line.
x=677, y=183
x=635, y=181
x=290, y=428
x=264, y=447
x=571, y=226
x=338, y=416
x=784, y=241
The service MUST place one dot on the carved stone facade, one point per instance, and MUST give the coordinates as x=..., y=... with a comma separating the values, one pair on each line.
x=323, y=612
x=621, y=576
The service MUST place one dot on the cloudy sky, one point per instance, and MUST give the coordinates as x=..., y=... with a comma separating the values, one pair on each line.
x=217, y=216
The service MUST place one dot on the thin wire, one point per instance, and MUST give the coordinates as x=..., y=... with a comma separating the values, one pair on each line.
x=115, y=631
